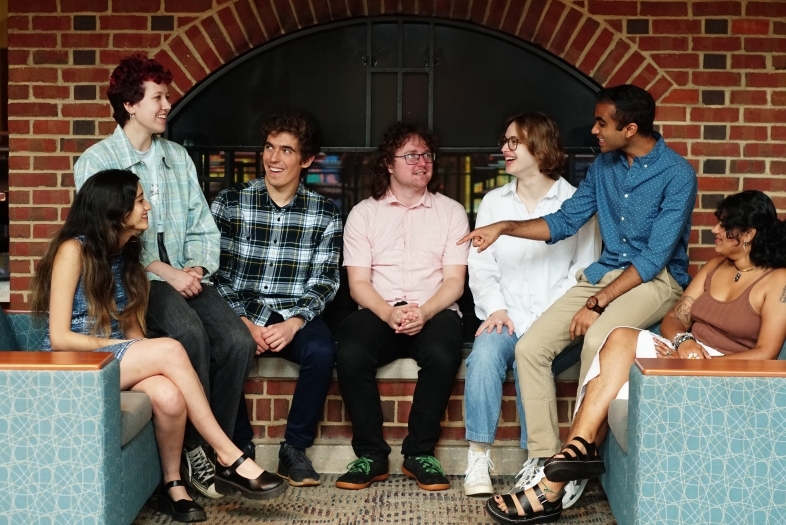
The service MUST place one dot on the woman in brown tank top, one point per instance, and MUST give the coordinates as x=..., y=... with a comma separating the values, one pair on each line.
x=735, y=308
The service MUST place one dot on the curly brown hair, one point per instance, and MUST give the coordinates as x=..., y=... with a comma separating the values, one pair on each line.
x=299, y=125
x=540, y=135
x=394, y=137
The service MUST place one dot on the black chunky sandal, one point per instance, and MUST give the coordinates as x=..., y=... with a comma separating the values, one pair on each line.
x=575, y=464
x=552, y=510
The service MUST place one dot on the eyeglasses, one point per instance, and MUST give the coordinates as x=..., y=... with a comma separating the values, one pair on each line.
x=414, y=158
x=512, y=142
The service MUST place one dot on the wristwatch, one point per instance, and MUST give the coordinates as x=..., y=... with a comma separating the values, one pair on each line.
x=592, y=304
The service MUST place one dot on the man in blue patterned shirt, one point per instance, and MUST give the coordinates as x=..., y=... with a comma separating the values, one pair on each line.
x=643, y=193
x=278, y=269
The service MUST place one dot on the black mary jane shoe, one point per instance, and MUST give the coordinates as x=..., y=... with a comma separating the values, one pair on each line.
x=183, y=510
x=265, y=486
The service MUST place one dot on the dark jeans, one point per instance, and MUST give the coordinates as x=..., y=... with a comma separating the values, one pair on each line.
x=217, y=342
x=313, y=349
x=365, y=343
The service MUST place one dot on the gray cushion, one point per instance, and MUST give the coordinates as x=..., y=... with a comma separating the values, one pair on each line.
x=135, y=411
x=618, y=422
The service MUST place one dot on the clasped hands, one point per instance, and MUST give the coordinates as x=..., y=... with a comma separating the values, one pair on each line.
x=407, y=319
x=276, y=336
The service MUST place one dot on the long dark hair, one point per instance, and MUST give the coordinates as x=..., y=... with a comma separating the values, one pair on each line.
x=98, y=216
x=396, y=136
x=753, y=209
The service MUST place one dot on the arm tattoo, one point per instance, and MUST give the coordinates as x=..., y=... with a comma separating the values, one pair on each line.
x=682, y=310
x=783, y=295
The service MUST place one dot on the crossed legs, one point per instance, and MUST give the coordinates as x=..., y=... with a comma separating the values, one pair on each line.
x=161, y=368
x=616, y=357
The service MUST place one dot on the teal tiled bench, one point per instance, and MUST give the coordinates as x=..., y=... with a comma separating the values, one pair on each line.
x=68, y=452
x=699, y=442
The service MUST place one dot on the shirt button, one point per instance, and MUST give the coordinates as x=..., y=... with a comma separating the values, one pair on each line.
x=626, y=195
x=248, y=238
x=645, y=165
x=624, y=240
x=624, y=254
x=275, y=241
x=622, y=218
x=265, y=287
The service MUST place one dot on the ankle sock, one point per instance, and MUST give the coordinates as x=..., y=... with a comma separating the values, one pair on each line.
x=481, y=448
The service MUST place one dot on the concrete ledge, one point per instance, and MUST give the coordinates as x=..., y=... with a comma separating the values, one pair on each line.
x=333, y=459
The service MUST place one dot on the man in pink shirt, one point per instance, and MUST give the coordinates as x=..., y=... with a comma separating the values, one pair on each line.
x=406, y=273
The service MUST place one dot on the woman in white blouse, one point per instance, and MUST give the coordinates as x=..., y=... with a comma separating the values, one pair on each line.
x=514, y=281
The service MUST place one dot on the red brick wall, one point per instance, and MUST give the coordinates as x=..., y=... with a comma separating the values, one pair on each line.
x=717, y=69
x=268, y=403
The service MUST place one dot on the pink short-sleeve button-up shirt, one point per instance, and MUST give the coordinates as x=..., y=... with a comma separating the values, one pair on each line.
x=406, y=247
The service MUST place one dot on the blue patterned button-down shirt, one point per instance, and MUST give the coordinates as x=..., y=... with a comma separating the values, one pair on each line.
x=644, y=211
x=190, y=235
x=276, y=259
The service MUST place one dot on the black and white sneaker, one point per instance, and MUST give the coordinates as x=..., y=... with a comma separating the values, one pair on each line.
x=197, y=470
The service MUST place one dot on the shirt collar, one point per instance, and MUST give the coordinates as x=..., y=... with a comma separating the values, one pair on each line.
x=296, y=199
x=652, y=156
x=553, y=193
x=426, y=200
x=127, y=153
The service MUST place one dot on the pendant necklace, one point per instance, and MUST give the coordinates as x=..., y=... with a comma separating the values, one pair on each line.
x=740, y=272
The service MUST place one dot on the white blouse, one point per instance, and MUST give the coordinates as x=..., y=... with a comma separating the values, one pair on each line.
x=524, y=276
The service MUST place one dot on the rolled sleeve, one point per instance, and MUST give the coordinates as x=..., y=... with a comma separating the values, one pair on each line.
x=357, y=247
x=456, y=254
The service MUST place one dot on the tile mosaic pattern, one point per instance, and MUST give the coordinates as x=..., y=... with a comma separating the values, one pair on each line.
x=701, y=450
x=56, y=457
x=60, y=455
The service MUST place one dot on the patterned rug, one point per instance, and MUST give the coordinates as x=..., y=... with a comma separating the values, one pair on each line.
x=397, y=501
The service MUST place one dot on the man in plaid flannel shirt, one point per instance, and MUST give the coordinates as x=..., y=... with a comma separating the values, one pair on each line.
x=278, y=269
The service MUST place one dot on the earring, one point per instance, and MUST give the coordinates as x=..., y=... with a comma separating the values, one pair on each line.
x=132, y=115
x=744, y=246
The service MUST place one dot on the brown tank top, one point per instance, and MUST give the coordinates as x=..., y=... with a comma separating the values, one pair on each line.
x=729, y=327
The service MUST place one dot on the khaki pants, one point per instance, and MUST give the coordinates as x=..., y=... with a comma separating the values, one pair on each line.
x=642, y=306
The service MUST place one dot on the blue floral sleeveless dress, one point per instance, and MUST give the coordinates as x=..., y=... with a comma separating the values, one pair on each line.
x=79, y=319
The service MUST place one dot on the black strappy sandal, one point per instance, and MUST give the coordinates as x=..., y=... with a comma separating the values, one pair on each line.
x=576, y=465
x=552, y=510
x=265, y=486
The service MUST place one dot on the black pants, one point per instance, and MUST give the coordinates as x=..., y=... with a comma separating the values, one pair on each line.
x=313, y=349
x=217, y=342
x=365, y=343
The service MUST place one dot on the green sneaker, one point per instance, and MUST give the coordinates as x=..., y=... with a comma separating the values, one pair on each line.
x=361, y=473
x=427, y=471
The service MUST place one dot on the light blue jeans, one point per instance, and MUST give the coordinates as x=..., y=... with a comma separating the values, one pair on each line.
x=492, y=356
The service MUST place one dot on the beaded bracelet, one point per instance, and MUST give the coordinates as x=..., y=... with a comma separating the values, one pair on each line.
x=681, y=338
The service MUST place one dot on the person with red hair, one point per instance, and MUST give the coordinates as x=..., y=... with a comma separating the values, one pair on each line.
x=180, y=250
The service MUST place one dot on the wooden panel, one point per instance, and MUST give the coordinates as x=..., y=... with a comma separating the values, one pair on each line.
x=54, y=360
x=712, y=367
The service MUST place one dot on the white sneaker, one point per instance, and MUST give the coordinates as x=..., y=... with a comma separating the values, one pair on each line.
x=573, y=491
x=529, y=475
x=477, y=481
x=198, y=471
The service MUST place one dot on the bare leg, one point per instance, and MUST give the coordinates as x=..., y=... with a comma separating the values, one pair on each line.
x=166, y=357
x=616, y=357
x=169, y=420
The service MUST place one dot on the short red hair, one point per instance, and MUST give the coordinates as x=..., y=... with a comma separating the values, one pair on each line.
x=126, y=81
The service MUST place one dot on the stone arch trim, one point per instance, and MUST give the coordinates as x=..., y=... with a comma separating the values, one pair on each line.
x=568, y=31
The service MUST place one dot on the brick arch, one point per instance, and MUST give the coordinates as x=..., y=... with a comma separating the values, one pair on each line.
x=596, y=48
